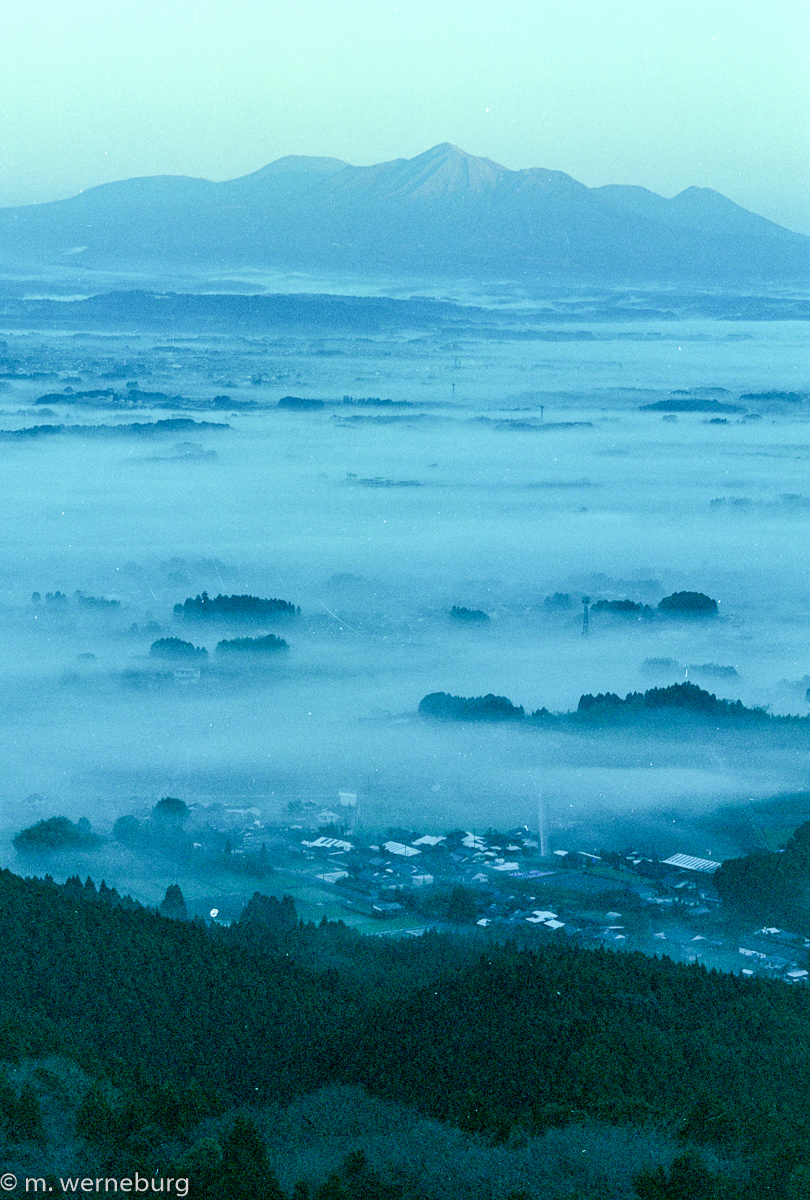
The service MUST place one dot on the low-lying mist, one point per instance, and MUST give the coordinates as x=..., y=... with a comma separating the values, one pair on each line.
x=515, y=470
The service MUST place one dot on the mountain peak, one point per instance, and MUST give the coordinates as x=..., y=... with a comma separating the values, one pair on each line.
x=445, y=150
x=446, y=170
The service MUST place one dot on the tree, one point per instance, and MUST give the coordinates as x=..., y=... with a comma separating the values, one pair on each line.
x=170, y=813
x=622, y=607
x=266, y=912
x=689, y=1179
x=129, y=831
x=95, y=1120
x=356, y=1180
x=770, y=886
x=202, y=1166
x=559, y=602
x=462, y=906
x=25, y=1124
x=246, y=1172
x=173, y=905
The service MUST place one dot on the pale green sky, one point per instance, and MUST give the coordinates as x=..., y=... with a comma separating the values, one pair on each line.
x=662, y=93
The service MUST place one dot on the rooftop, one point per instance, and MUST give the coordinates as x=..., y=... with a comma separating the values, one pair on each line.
x=687, y=862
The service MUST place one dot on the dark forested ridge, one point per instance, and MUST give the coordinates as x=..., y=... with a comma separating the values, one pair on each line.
x=680, y=604
x=120, y=984
x=654, y=704
x=686, y=697
x=179, y=1020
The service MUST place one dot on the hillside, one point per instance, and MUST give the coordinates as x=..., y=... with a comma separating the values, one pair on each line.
x=172, y=1022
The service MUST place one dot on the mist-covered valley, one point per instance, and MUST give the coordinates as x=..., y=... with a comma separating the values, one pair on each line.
x=490, y=456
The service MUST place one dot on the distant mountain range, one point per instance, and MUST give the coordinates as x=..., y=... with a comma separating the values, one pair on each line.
x=442, y=214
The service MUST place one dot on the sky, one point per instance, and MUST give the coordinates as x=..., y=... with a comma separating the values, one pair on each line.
x=667, y=95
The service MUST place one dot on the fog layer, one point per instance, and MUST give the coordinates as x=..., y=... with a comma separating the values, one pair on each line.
x=507, y=470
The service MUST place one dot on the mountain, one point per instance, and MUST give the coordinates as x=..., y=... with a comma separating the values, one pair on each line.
x=443, y=213
x=700, y=209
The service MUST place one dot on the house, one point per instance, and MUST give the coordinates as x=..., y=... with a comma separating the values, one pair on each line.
x=327, y=845
x=187, y=674
x=400, y=850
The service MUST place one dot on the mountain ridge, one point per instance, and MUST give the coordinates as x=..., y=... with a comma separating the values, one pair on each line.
x=444, y=212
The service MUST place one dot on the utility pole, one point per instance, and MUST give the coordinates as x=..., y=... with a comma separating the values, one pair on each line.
x=542, y=821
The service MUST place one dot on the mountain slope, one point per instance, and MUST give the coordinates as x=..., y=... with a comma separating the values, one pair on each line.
x=695, y=208
x=442, y=213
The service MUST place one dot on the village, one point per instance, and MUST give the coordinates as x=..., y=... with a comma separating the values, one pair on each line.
x=508, y=884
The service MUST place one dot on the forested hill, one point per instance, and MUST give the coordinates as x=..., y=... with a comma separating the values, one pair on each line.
x=233, y=608
x=686, y=697
x=770, y=886
x=495, y=1040
x=475, y=708
x=653, y=704
x=122, y=984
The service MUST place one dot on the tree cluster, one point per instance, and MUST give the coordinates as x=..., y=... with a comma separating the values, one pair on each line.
x=688, y=604
x=467, y=614
x=770, y=887
x=202, y=849
x=176, y=648
x=686, y=697
x=54, y=834
x=96, y=601
x=624, y=608
x=268, y=644
x=462, y=708
x=229, y=608
x=559, y=602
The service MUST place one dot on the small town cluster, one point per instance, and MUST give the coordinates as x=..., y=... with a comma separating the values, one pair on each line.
x=410, y=881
